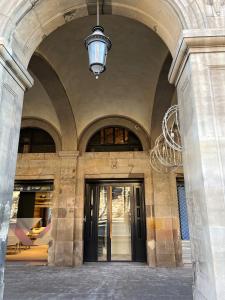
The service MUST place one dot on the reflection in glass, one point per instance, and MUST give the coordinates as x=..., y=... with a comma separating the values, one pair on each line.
x=30, y=224
x=121, y=224
x=109, y=135
x=119, y=135
x=102, y=225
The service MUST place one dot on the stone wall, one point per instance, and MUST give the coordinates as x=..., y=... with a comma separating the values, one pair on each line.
x=162, y=219
x=69, y=173
x=61, y=168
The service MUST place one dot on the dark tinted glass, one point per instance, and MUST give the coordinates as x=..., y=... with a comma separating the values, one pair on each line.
x=35, y=140
x=114, y=139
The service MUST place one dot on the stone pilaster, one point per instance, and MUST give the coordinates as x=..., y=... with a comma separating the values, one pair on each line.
x=13, y=82
x=166, y=233
x=199, y=73
x=62, y=245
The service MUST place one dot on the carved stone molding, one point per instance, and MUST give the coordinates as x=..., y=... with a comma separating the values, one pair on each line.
x=215, y=8
x=15, y=68
x=195, y=42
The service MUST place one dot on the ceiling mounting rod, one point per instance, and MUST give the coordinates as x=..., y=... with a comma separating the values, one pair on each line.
x=98, y=13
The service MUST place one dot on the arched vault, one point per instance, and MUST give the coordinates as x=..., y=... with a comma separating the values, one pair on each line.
x=53, y=86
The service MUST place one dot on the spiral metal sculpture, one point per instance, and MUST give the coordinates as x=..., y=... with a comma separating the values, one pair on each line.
x=166, y=155
x=164, y=158
x=155, y=163
x=171, y=128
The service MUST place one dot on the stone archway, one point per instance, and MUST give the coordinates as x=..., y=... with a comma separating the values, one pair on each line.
x=156, y=14
x=197, y=70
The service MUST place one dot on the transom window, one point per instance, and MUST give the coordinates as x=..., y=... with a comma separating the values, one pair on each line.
x=35, y=140
x=113, y=139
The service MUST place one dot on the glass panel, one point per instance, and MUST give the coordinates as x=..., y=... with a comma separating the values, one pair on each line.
x=30, y=226
x=102, y=136
x=114, y=139
x=121, y=224
x=126, y=136
x=35, y=140
x=102, y=225
x=108, y=135
x=138, y=197
x=119, y=136
x=97, y=53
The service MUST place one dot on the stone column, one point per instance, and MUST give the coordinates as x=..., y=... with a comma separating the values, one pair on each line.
x=199, y=73
x=62, y=245
x=13, y=82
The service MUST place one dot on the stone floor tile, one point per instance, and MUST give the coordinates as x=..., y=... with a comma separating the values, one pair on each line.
x=97, y=281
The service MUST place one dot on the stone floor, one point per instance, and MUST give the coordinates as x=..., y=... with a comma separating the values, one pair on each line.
x=116, y=281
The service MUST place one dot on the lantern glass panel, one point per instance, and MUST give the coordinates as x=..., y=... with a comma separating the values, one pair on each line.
x=97, y=52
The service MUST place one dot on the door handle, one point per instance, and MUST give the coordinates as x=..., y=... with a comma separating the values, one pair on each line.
x=85, y=219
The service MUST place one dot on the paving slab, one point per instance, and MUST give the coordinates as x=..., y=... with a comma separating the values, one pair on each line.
x=97, y=281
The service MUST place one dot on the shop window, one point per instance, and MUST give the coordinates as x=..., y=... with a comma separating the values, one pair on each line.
x=30, y=221
x=114, y=139
x=35, y=140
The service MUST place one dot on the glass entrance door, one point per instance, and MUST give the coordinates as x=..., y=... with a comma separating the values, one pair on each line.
x=114, y=223
x=114, y=228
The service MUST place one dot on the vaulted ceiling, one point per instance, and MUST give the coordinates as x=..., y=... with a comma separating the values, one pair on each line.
x=128, y=88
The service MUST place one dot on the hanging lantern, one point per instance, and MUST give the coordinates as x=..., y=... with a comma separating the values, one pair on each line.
x=98, y=46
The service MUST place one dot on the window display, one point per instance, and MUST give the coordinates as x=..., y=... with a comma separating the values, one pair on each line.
x=30, y=221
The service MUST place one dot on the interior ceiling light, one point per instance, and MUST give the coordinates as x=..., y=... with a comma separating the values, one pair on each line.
x=98, y=46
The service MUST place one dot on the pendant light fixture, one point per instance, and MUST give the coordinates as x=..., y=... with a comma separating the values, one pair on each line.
x=98, y=46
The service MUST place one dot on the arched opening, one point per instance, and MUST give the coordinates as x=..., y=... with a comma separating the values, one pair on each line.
x=138, y=132
x=156, y=14
x=166, y=19
x=114, y=139
x=33, y=122
x=35, y=140
x=115, y=114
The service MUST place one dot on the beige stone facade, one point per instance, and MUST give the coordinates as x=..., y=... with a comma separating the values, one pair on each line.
x=69, y=172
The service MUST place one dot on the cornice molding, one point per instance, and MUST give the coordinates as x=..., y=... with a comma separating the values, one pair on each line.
x=14, y=67
x=193, y=42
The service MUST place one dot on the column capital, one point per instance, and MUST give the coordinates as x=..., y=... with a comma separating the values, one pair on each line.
x=195, y=42
x=13, y=66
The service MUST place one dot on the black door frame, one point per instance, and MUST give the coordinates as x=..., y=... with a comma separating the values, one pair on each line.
x=137, y=249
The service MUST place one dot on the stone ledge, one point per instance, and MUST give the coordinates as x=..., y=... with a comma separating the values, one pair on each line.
x=37, y=156
x=69, y=154
x=115, y=155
